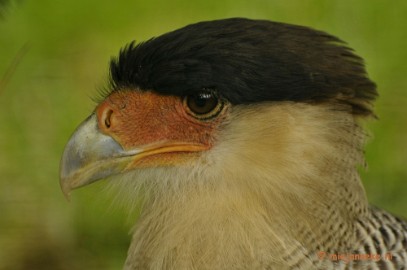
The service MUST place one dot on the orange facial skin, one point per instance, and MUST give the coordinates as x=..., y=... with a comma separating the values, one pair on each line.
x=159, y=124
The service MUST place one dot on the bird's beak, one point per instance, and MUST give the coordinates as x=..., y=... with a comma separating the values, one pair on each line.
x=90, y=155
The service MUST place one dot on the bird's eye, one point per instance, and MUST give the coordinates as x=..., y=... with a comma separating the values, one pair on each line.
x=203, y=105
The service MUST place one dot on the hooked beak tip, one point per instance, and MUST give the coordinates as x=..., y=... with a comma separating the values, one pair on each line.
x=90, y=156
x=66, y=189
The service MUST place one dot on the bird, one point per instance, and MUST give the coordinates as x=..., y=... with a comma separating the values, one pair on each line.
x=241, y=140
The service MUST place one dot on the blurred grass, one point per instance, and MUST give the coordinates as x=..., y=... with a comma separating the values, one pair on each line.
x=69, y=44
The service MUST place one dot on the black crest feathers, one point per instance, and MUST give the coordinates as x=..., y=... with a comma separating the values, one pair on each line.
x=247, y=61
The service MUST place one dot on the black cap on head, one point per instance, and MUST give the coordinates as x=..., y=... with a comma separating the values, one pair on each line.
x=247, y=61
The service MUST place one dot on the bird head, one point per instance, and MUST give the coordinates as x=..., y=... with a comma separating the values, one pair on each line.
x=227, y=102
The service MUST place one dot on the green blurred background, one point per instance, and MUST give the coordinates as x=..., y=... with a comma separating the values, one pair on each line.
x=54, y=55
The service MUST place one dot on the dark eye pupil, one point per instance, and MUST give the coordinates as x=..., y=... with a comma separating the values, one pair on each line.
x=202, y=103
x=202, y=99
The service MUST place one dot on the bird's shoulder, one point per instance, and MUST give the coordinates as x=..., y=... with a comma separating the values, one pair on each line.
x=384, y=235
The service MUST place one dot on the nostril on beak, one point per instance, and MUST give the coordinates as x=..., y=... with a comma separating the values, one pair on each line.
x=107, y=118
x=106, y=113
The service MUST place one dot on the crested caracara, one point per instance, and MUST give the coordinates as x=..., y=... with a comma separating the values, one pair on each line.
x=243, y=138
